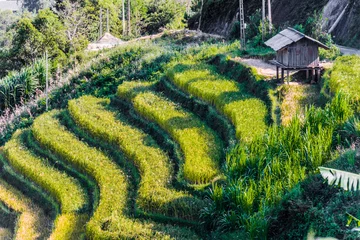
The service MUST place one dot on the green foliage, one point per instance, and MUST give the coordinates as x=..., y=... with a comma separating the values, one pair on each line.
x=260, y=172
x=155, y=195
x=164, y=14
x=330, y=54
x=65, y=189
x=19, y=87
x=201, y=147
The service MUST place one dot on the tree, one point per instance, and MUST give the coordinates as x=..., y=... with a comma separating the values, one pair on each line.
x=75, y=24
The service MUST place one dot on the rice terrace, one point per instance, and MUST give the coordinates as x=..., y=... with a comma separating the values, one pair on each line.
x=179, y=119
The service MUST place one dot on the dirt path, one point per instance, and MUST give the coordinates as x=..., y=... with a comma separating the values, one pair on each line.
x=263, y=68
x=348, y=50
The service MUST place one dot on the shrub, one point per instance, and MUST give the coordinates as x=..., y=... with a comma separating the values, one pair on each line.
x=32, y=222
x=201, y=146
x=65, y=189
x=248, y=114
x=108, y=221
x=155, y=194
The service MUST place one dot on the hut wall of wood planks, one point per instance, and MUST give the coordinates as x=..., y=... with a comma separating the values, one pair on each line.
x=296, y=51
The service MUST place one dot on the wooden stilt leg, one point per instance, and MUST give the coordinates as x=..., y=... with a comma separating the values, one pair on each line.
x=307, y=74
x=288, y=76
x=282, y=75
x=313, y=75
x=318, y=75
x=277, y=73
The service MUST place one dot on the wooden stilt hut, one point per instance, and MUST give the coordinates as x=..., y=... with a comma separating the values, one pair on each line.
x=295, y=51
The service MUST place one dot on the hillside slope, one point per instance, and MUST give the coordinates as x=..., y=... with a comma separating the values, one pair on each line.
x=219, y=16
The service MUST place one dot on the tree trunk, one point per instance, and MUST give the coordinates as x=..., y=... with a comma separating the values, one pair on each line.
x=129, y=18
x=201, y=12
x=263, y=18
x=123, y=17
x=270, y=16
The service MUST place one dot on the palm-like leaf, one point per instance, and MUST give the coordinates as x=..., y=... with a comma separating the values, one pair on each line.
x=346, y=180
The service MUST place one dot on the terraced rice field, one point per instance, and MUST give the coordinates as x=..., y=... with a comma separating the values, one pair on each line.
x=247, y=113
x=91, y=171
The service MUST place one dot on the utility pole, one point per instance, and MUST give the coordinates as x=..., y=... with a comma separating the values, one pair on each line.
x=270, y=16
x=129, y=18
x=123, y=17
x=47, y=80
x=107, y=21
x=242, y=25
x=101, y=27
x=263, y=19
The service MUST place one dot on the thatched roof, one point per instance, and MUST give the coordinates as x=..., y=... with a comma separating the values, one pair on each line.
x=289, y=36
x=107, y=41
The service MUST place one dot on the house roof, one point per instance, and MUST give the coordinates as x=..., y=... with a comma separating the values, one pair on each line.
x=289, y=36
x=10, y=5
x=107, y=41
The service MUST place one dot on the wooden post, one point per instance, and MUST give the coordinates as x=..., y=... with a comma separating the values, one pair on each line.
x=288, y=76
x=277, y=73
x=282, y=75
x=318, y=75
x=313, y=75
x=307, y=74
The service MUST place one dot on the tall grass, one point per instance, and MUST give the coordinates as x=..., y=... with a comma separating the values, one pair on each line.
x=18, y=87
x=261, y=172
x=65, y=189
x=109, y=220
x=345, y=77
x=201, y=146
x=32, y=222
x=248, y=114
x=155, y=193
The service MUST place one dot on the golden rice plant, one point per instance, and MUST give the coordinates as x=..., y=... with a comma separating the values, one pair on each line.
x=65, y=189
x=248, y=114
x=201, y=146
x=155, y=193
x=109, y=220
x=32, y=223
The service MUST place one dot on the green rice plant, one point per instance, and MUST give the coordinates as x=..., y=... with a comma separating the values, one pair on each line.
x=259, y=173
x=65, y=189
x=32, y=222
x=248, y=114
x=345, y=77
x=109, y=220
x=154, y=194
x=201, y=146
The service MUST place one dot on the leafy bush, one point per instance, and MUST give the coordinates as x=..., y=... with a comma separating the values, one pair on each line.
x=201, y=146
x=31, y=222
x=109, y=220
x=248, y=114
x=20, y=86
x=330, y=54
x=65, y=189
x=154, y=195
